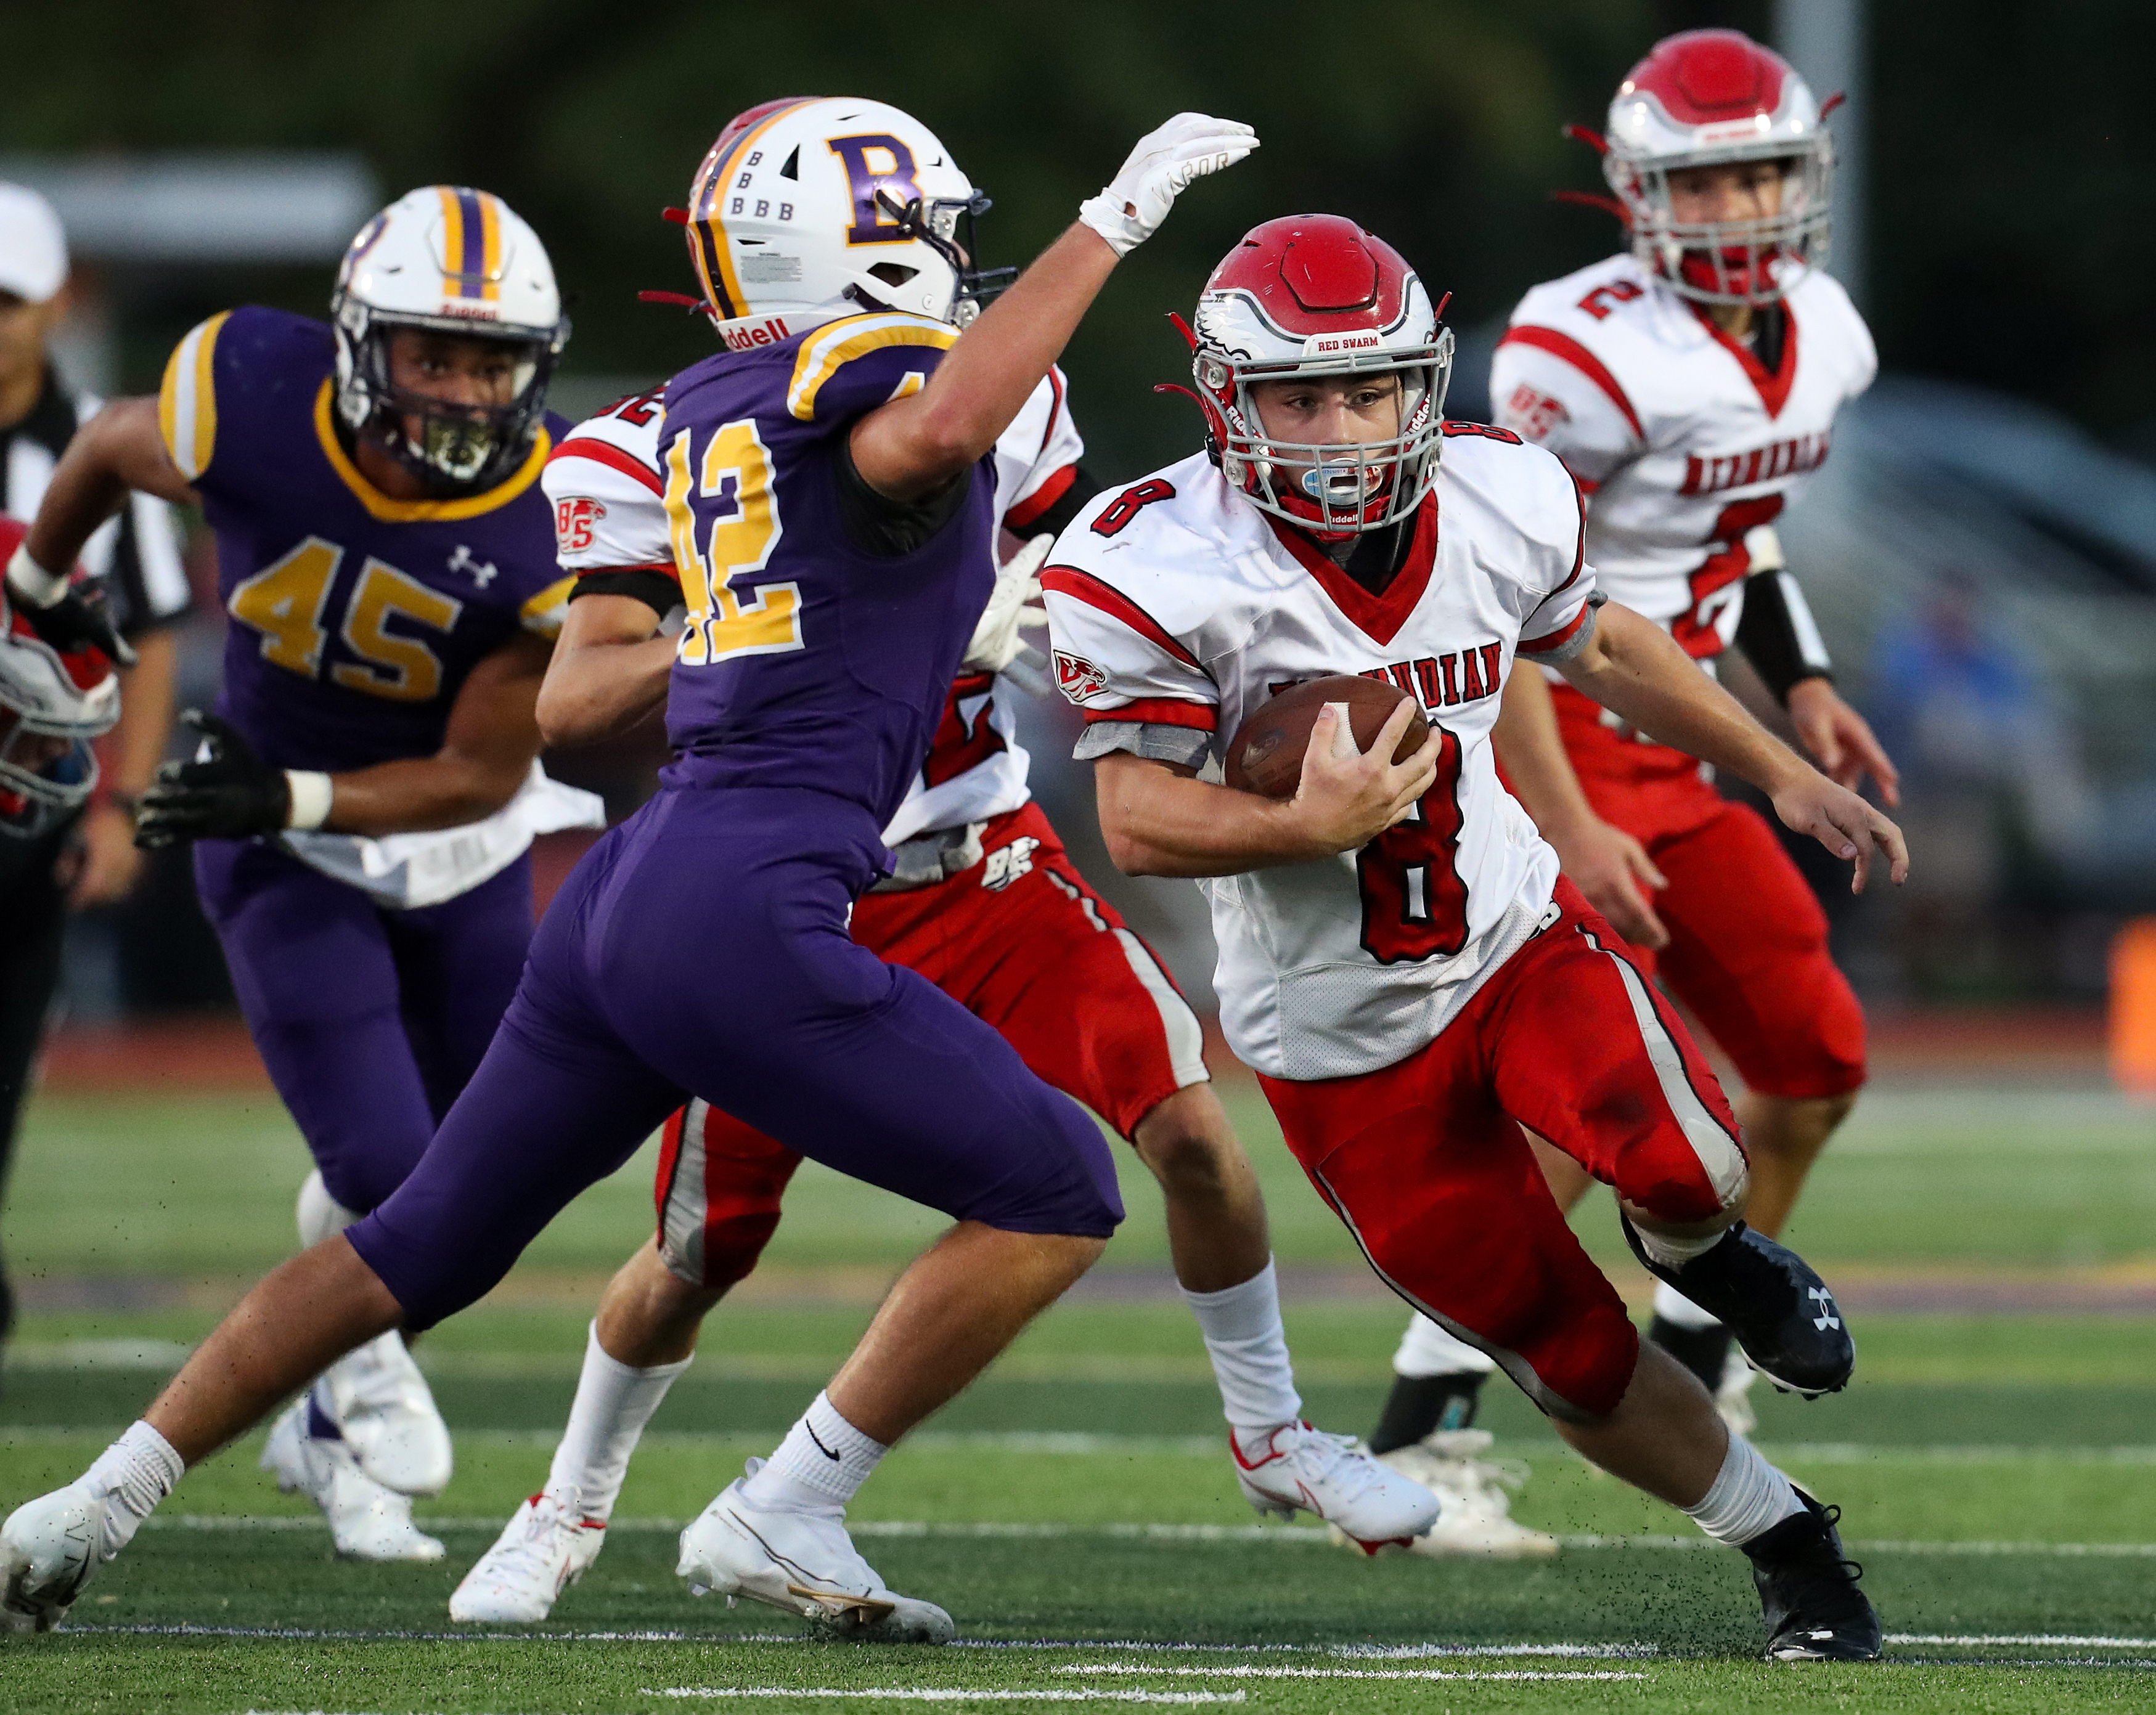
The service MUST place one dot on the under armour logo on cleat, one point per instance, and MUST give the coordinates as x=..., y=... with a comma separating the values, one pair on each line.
x=1826, y=1318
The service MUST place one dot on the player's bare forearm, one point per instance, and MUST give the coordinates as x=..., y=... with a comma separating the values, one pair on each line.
x=1160, y=819
x=1529, y=744
x=913, y=446
x=486, y=754
x=610, y=671
x=1634, y=668
x=118, y=450
x=1606, y=863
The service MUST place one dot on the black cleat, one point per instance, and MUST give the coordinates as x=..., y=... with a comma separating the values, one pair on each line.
x=1705, y=1352
x=1780, y=1310
x=1808, y=1591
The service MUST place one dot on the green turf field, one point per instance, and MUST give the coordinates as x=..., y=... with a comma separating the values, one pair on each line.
x=1075, y=1511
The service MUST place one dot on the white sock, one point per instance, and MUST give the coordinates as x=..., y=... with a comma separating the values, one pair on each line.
x=1425, y=1349
x=1673, y=1307
x=137, y=1470
x=1749, y=1498
x=1249, y=1348
x=613, y=1403
x=319, y=1213
x=820, y=1465
x=1675, y=1253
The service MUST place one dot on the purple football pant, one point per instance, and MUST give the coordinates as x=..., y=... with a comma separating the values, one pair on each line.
x=370, y=1020
x=701, y=949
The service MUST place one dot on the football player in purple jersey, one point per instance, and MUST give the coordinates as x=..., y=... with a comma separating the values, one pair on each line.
x=363, y=798
x=830, y=486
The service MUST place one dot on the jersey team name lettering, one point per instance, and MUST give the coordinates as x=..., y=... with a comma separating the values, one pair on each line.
x=1441, y=681
x=1784, y=458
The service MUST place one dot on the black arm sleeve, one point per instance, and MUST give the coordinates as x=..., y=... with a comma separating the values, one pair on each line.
x=659, y=591
x=1778, y=635
x=876, y=524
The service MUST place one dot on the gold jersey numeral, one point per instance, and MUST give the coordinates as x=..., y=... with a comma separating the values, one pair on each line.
x=735, y=471
x=286, y=602
x=401, y=668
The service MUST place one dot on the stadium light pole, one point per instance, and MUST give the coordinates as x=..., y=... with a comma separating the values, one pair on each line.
x=1828, y=43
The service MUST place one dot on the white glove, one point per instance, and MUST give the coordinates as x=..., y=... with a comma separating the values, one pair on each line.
x=1014, y=604
x=1137, y=199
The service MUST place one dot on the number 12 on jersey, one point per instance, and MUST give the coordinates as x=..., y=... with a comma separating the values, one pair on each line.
x=735, y=474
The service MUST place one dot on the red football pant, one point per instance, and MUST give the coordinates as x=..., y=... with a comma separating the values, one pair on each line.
x=1021, y=940
x=1426, y=1163
x=1747, y=950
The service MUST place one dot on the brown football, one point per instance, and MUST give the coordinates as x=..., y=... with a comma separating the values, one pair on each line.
x=1266, y=756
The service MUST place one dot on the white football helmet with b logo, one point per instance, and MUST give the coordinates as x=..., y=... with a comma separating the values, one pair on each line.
x=450, y=259
x=808, y=209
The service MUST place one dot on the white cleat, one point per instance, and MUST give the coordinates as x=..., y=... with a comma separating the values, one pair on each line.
x=49, y=1548
x=1476, y=1519
x=805, y=1563
x=543, y=1550
x=1303, y=1470
x=367, y=1522
x=1732, y=1400
x=380, y=1404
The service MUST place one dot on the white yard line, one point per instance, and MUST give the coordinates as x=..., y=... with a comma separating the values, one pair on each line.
x=1297, y=1535
x=1982, y=1640
x=945, y=1694
x=1244, y=1670
x=1062, y=1443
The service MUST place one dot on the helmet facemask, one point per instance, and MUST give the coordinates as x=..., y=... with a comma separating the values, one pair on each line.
x=1730, y=261
x=458, y=449
x=44, y=776
x=1332, y=489
x=949, y=226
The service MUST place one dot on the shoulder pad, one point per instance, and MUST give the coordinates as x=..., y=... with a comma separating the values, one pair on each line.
x=250, y=351
x=847, y=368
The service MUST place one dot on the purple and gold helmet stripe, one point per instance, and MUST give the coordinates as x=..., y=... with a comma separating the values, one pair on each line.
x=707, y=233
x=471, y=244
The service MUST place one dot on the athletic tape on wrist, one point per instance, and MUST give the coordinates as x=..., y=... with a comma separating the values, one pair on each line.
x=30, y=581
x=312, y=795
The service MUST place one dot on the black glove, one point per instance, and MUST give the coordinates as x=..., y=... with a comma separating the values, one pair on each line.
x=227, y=793
x=82, y=618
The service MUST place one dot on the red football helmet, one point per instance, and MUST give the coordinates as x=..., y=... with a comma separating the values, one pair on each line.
x=1704, y=97
x=1315, y=294
x=52, y=704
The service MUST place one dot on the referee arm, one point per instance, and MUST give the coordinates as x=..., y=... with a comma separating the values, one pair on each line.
x=118, y=450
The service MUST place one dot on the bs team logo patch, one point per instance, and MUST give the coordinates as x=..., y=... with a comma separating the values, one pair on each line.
x=1078, y=678
x=575, y=521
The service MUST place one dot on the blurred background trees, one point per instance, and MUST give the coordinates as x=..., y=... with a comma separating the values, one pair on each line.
x=2012, y=234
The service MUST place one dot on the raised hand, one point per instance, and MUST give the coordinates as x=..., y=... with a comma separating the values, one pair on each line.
x=1130, y=210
